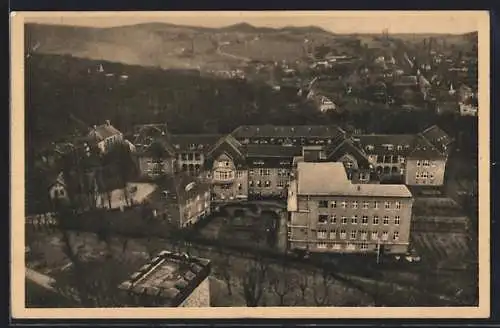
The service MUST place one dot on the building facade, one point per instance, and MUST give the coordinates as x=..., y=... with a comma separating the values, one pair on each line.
x=105, y=136
x=169, y=280
x=329, y=213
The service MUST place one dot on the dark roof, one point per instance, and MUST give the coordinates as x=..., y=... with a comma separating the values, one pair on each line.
x=184, y=186
x=272, y=151
x=378, y=141
x=185, y=142
x=143, y=134
x=348, y=147
x=425, y=150
x=156, y=146
x=438, y=138
x=230, y=141
x=287, y=131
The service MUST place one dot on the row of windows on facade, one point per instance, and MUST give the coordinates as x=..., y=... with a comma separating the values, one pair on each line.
x=363, y=235
x=267, y=172
x=190, y=157
x=267, y=183
x=325, y=219
x=388, y=159
x=340, y=246
x=286, y=141
x=424, y=175
x=388, y=147
x=355, y=204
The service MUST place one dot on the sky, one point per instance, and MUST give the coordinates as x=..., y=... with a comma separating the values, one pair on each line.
x=453, y=22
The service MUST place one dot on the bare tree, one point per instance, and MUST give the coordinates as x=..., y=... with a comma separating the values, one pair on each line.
x=303, y=284
x=254, y=281
x=321, y=288
x=281, y=283
x=224, y=269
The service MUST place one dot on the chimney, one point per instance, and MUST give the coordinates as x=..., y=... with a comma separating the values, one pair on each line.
x=108, y=123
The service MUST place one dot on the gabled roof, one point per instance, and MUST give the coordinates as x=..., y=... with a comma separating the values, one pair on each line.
x=229, y=143
x=145, y=132
x=347, y=146
x=159, y=146
x=287, y=131
x=104, y=131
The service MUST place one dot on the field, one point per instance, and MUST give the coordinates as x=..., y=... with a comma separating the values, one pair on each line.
x=444, y=250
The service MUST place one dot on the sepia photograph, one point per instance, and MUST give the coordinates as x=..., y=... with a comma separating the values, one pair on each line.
x=250, y=164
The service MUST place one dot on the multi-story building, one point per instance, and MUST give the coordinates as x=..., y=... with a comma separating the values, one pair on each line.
x=329, y=213
x=156, y=158
x=299, y=135
x=269, y=169
x=226, y=170
x=191, y=150
x=181, y=200
x=169, y=280
x=105, y=136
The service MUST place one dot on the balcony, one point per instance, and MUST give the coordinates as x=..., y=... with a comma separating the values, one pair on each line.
x=223, y=176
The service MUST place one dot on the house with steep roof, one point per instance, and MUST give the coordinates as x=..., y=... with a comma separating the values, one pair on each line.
x=226, y=169
x=180, y=199
x=156, y=158
x=105, y=136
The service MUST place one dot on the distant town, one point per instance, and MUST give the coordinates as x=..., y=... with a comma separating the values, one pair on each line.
x=319, y=170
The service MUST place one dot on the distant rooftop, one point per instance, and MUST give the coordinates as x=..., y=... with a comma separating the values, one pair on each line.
x=287, y=131
x=330, y=179
x=169, y=278
x=104, y=131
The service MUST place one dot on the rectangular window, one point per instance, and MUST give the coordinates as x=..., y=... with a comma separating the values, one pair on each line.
x=401, y=159
x=397, y=220
x=364, y=219
x=258, y=183
x=387, y=205
x=385, y=235
x=418, y=163
x=268, y=184
x=323, y=204
x=355, y=204
x=344, y=220
x=364, y=246
x=386, y=220
x=344, y=204
x=322, y=219
x=343, y=234
x=250, y=172
x=426, y=162
x=354, y=219
x=364, y=235
x=239, y=174
x=375, y=220
x=321, y=234
x=375, y=205
x=365, y=205
x=333, y=204
x=333, y=234
x=281, y=183
x=250, y=183
x=374, y=235
x=333, y=219
x=398, y=205
x=395, y=236
x=399, y=147
x=353, y=234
